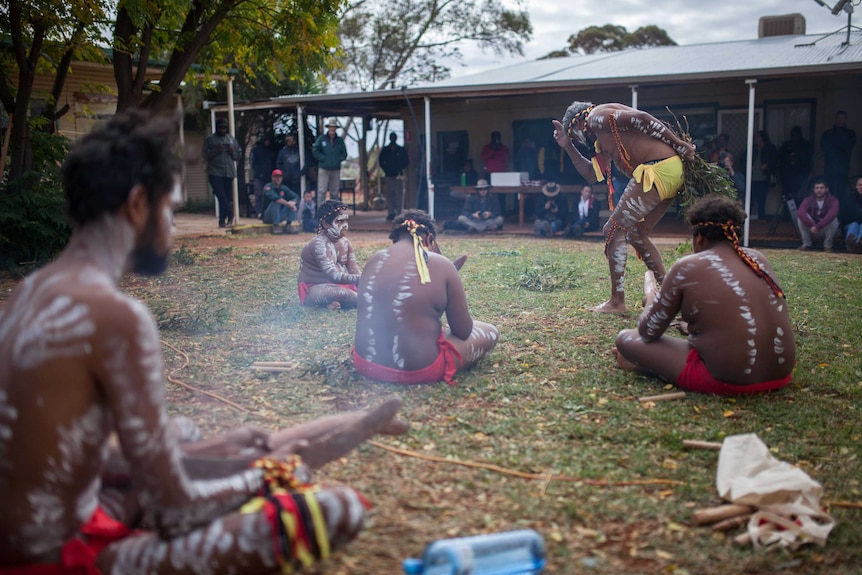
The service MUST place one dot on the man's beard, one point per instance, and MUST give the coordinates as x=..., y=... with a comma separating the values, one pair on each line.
x=146, y=260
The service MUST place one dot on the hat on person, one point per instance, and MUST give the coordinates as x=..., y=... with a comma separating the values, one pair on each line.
x=551, y=189
x=332, y=122
x=481, y=185
x=221, y=122
x=277, y=173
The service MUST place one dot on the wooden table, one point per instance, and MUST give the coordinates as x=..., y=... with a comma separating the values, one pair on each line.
x=599, y=191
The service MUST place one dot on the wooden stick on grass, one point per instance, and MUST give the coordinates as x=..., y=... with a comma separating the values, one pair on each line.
x=663, y=397
x=697, y=444
x=715, y=514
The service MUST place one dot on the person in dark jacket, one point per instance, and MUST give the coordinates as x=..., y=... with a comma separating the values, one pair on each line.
x=262, y=164
x=289, y=163
x=393, y=161
x=851, y=216
x=481, y=211
x=281, y=206
x=329, y=150
x=586, y=215
x=552, y=214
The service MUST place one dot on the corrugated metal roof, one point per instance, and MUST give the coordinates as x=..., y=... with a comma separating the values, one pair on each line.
x=760, y=57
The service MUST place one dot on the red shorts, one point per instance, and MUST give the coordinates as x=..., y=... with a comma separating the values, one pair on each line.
x=442, y=368
x=78, y=555
x=304, y=288
x=695, y=377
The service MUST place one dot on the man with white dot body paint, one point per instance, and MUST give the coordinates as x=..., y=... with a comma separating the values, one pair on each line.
x=403, y=293
x=740, y=338
x=81, y=364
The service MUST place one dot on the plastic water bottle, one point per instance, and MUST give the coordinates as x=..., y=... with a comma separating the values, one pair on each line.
x=510, y=553
x=463, y=179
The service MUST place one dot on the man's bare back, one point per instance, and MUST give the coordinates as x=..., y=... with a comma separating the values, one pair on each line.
x=398, y=322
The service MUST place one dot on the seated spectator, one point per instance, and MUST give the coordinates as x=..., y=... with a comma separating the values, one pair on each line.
x=851, y=217
x=308, y=212
x=96, y=478
x=328, y=272
x=723, y=292
x=818, y=216
x=587, y=215
x=404, y=290
x=281, y=207
x=481, y=212
x=552, y=214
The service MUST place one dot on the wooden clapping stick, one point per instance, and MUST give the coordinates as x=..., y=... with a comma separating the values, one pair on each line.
x=715, y=514
x=697, y=444
x=273, y=366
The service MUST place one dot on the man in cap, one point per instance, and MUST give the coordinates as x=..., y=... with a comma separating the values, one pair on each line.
x=393, y=160
x=481, y=210
x=552, y=214
x=329, y=150
x=281, y=207
x=221, y=153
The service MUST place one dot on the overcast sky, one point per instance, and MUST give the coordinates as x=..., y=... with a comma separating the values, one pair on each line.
x=685, y=21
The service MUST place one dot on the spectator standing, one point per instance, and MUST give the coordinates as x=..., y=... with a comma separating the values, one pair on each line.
x=818, y=216
x=329, y=150
x=221, y=152
x=586, y=214
x=281, y=207
x=481, y=212
x=527, y=159
x=794, y=165
x=552, y=214
x=308, y=212
x=720, y=148
x=262, y=164
x=289, y=164
x=764, y=160
x=393, y=161
x=495, y=155
x=837, y=144
x=851, y=216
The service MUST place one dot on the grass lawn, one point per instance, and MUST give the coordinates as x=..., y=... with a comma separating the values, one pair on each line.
x=548, y=400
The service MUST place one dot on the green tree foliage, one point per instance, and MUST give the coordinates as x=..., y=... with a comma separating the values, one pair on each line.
x=404, y=41
x=612, y=38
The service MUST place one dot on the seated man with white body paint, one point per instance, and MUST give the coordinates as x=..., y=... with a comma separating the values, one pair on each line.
x=740, y=339
x=93, y=475
x=328, y=272
x=403, y=292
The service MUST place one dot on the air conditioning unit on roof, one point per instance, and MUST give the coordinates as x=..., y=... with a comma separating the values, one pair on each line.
x=785, y=25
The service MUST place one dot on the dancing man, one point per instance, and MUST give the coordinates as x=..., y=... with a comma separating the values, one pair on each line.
x=740, y=338
x=647, y=152
x=328, y=272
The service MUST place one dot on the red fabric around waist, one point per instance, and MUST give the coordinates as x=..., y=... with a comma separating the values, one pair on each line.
x=442, y=368
x=78, y=556
x=695, y=377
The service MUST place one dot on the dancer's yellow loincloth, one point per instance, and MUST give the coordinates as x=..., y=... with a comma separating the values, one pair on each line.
x=665, y=176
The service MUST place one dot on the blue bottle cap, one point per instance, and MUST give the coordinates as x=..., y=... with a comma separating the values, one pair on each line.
x=412, y=566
